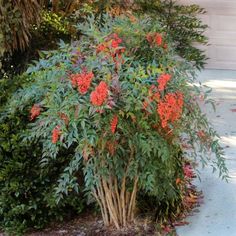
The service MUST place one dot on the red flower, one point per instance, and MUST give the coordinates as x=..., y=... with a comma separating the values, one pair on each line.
x=101, y=47
x=56, y=134
x=158, y=39
x=116, y=38
x=82, y=80
x=35, y=111
x=100, y=94
x=102, y=89
x=170, y=109
x=95, y=99
x=114, y=123
x=154, y=38
x=114, y=43
x=163, y=80
x=111, y=46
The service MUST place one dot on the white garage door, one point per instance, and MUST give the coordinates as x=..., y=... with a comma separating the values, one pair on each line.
x=221, y=18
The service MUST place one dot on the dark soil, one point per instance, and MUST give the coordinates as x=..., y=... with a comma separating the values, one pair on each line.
x=89, y=224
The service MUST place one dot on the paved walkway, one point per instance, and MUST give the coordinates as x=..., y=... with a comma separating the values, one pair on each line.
x=217, y=215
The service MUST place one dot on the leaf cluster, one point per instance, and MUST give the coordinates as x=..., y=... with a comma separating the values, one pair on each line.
x=27, y=198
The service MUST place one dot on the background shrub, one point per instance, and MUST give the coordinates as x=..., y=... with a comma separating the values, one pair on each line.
x=27, y=196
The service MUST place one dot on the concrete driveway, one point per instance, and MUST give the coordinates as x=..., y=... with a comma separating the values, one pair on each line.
x=217, y=215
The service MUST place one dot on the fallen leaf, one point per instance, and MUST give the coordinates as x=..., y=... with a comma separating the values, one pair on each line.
x=192, y=196
x=178, y=180
x=181, y=223
x=191, y=200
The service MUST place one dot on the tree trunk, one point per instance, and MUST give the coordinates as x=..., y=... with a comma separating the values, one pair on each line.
x=117, y=204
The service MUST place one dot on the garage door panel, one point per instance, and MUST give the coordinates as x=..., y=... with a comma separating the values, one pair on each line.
x=229, y=5
x=223, y=53
x=220, y=39
x=221, y=18
x=220, y=65
x=223, y=23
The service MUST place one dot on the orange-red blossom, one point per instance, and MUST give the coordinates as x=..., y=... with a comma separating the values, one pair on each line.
x=99, y=96
x=82, y=81
x=35, y=111
x=170, y=108
x=56, y=134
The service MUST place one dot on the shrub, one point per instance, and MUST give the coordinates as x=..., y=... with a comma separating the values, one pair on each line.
x=124, y=105
x=27, y=197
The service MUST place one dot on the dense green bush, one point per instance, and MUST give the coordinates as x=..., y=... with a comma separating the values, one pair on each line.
x=27, y=196
x=121, y=101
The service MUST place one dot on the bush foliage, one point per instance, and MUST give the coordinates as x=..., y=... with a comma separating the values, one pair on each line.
x=57, y=20
x=27, y=197
x=124, y=104
x=183, y=25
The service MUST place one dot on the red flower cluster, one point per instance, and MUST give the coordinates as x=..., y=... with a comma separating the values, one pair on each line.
x=162, y=81
x=112, y=41
x=115, y=41
x=170, y=109
x=101, y=48
x=100, y=94
x=82, y=81
x=56, y=134
x=114, y=123
x=35, y=111
x=156, y=38
x=110, y=46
